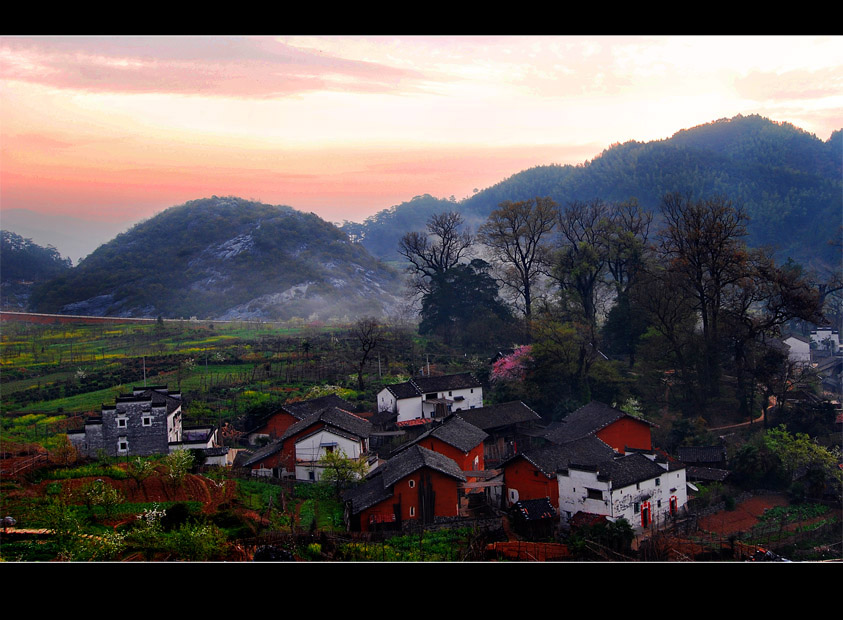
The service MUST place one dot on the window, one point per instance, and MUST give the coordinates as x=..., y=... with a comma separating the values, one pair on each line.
x=412, y=511
x=121, y=422
x=146, y=420
x=636, y=507
x=594, y=494
x=412, y=484
x=122, y=445
x=658, y=482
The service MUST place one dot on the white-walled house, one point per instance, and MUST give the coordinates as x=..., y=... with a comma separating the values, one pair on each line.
x=633, y=487
x=826, y=339
x=428, y=397
x=799, y=349
x=311, y=450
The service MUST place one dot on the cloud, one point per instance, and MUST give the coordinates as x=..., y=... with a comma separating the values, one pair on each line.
x=210, y=66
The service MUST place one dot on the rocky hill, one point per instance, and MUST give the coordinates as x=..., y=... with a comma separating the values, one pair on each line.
x=226, y=258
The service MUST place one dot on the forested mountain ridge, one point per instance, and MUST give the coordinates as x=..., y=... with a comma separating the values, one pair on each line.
x=22, y=264
x=225, y=258
x=787, y=180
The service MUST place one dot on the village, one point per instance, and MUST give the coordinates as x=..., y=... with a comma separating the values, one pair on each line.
x=435, y=454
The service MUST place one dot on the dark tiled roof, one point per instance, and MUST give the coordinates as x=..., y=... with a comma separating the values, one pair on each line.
x=379, y=486
x=260, y=454
x=367, y=494
x=496, y=416
x=422, y=385
x=710, y=474
x=332, y=416
x=444, y=383
x=304, y=408
x=701, y=454
x=586, y=452
x=416, y=457
x=535, y=509
x=629, y=469
x=585, y=421
x=453, y=431
x=159, y=395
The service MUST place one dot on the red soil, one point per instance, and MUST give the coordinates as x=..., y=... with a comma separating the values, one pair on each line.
x=745, y=515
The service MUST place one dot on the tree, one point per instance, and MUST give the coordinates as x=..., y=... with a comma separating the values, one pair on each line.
x=515, y=233
x=139, y=469
x=433, y=253
x=178, y=464
x=462, y=305
x=368, y=335
x=342, y=471
x=581, y=258
x=702, y=242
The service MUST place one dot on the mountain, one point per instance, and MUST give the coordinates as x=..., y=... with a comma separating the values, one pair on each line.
x=226, y=258
x=24, y=263
x=788, y=181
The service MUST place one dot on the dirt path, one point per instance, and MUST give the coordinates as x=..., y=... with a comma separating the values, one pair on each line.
x=745, y=515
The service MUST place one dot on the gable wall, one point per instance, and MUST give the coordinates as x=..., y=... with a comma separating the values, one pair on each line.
x=627, y=432
x=528, y=482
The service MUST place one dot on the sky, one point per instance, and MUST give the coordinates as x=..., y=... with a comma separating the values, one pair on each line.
x=118, y=128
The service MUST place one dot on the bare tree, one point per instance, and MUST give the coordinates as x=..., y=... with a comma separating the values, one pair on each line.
x=437, y=250
x=368, y=334
x=702, y=240
x=515, y=233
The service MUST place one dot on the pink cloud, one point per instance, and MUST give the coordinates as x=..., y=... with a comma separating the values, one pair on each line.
x=221, y=66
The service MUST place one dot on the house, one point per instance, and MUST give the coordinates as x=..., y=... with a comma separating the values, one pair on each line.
x=301, y=448
x=455, y=438
x=428, y=397
x=617, y=428
x=630, y=486
x=798, y=349
x=462, y=443
x=274, y=425
x=535, y=517
x=702, y=456
x=417, y=485
x=147, y=421
x=825, y=340
x=511, y=427
x=532, y=474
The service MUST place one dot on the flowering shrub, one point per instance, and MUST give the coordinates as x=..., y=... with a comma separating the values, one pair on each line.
x=513, y=367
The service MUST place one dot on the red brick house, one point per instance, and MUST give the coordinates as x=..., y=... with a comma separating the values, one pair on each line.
x=455, y=438
x=280, y=458
x=531, y=475
x=616, y=428
x=276, y=424
x=416, y=485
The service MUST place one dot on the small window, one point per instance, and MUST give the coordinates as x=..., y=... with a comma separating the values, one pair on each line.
x=412, y=484
x=122, y=445
x=450, y=393
x=412, y=511
x=146, y=420
x=636, y=507
x=658, y=482
x=121, y=422
x=594, y=494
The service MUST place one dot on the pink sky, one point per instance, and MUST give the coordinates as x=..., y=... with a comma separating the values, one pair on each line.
x=119, y=128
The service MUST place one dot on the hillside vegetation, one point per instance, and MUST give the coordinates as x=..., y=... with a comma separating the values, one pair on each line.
x=787, y=180
x=225, y=258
